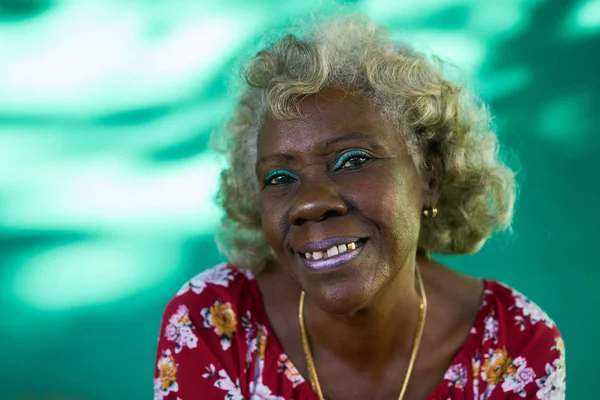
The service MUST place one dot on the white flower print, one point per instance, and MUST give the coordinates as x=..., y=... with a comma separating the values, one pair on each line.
x=520, y=322
x=218, y=275
x=210, y=372
x=180, y=330
x=225, y=383
x=457, y=375
x=552, y=386
x=518, y=376
x=530, y=309
x=490, y=331
x=248, y=325
x=158, y=392
x=187, y=338
x=261, y=392
x=171, y=332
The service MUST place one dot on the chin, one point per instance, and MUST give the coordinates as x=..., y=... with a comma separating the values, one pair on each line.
x=347, y=288
x=342, y=297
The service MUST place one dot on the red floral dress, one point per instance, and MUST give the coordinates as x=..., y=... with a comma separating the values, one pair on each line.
x=216, y=343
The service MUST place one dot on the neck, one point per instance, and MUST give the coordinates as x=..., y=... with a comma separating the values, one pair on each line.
x=376, y=333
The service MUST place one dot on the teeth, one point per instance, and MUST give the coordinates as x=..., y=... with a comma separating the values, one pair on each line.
x=332, y=251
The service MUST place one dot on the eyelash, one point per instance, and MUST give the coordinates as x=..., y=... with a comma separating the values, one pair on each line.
x=344, y=158
x=276, y=174
x=339, y=165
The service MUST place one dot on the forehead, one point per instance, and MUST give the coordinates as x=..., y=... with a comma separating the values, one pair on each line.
x=327, y=114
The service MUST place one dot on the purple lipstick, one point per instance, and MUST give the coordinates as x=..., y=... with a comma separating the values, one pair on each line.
x=331, y=253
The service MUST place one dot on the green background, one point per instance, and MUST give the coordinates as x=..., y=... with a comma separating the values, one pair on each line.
x=106, y=178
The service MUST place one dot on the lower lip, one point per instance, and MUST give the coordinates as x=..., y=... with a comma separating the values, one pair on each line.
x=332, y=262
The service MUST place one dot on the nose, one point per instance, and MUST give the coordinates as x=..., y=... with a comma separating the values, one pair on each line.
x=316, y=201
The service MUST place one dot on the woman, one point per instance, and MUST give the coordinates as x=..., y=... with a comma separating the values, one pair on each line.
x=351, y=160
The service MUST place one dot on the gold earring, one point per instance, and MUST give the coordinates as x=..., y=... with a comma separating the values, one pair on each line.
x=431, y=212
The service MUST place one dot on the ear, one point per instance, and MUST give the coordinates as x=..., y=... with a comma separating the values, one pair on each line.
x=432, y=172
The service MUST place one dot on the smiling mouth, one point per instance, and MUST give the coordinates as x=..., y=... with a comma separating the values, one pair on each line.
x=334, y=256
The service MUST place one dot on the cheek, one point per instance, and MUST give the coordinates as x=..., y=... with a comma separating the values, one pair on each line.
x=272, y=221
x=404, y=199
x=396, y=208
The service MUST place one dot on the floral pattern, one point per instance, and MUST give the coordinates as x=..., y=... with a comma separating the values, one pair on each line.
x=552, y=385
x=261, y=391
x=529, y=310
x=222, y=318
x=224, y=382
x=490, y=330
x=219, y=275
x=518, y=377
x=476, y=368
x=495, y=365
x=166, y=381
x=290, y=371
x=181, y=330
x=456, y=376
x=216, y=342
x=560, y=347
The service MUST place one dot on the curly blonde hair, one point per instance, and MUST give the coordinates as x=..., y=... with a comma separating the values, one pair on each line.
x=432, y=114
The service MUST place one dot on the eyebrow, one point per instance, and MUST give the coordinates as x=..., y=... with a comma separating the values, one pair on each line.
x=349, y=137
x=327, y=144
x=275, y=156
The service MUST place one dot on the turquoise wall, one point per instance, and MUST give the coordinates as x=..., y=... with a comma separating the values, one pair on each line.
x=106, y=179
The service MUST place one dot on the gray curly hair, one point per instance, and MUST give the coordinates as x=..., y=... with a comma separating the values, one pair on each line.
x=432, y=114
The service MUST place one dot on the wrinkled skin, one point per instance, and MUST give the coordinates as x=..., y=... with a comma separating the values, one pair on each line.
x=361, y=316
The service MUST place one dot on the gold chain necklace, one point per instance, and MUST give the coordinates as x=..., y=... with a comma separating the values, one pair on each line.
x=312, y=372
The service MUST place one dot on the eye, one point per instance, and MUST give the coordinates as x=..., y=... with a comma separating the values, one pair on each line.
x=352, y=159
x=279, y=177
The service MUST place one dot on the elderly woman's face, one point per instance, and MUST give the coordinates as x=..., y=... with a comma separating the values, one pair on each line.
x=340, y=198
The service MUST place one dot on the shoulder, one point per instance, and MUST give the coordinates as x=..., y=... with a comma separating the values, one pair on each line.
x=519, y=319
x=222, y=288
x=521, y=348
x=223, y=278
x=204, y=328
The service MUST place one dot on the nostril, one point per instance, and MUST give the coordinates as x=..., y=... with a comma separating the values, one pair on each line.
x=299, y=221
x=315, y=214
x=330, y=213
x=316, y=202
